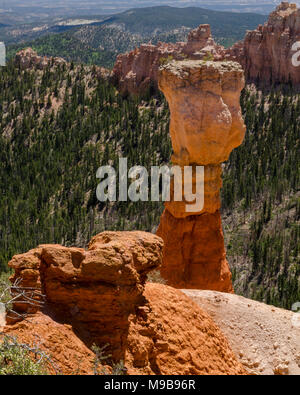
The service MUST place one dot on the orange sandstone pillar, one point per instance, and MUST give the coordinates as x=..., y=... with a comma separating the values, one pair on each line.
x=206, y=125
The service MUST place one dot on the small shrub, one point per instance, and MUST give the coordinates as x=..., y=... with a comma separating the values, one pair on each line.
x=208, y=57
x=20, y=359
x=116, y=369
x=168, y=59
x=4, y=288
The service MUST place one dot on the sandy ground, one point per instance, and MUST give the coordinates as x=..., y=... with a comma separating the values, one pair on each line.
x=266, y=339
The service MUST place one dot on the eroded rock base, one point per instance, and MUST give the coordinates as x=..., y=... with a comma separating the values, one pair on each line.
x=194, y=252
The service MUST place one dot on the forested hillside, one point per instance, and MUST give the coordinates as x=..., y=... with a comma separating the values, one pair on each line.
x=59, y=125
x=147, y=20
x=57, y=128
x=97, y=45
x=94, y=45
x=261, y=199
x=100, y=42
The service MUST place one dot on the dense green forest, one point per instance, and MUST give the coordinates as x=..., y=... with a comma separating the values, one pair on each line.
x=59, y=125
x=261, y=199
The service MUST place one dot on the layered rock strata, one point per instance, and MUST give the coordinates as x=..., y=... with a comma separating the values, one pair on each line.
x=206, y=125
x=270, y=54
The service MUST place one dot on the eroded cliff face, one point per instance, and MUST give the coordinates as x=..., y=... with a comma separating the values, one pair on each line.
x=266, y=53
x=134, y=72
x=99, y=296
x=206, y=125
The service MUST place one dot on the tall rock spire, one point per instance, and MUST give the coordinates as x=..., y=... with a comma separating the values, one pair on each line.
x=206, y=125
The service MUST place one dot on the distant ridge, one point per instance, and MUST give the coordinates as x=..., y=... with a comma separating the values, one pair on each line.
x=147, y=20
x=100, y=42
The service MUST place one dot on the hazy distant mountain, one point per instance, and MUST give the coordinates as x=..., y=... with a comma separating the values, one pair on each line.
x=163, y=18
x=100, y=40
x=20, y=11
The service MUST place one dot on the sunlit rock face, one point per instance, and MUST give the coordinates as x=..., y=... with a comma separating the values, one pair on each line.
x=268, y=54
x=206, y=125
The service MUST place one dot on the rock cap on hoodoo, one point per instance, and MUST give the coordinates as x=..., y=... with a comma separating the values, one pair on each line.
x=204, y=99
x=194, y=72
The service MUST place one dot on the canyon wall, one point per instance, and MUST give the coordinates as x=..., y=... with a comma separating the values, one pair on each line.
x=206, y=125
x=266, y=53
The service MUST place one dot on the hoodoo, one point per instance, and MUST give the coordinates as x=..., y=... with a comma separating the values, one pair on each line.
x=206, y=125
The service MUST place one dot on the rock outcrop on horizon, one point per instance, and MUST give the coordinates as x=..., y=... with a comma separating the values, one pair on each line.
x=134, y=72
x=99, y=296
x=27, y=58
x=206, y=125
x=266, y=53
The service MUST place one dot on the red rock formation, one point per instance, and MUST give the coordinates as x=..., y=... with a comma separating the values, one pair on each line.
x=99, y=296
x=206, y=125
x=73, y=281
x=27, y=58
x=194, y=252
x=266, y=53
x=136, y=70
x=200, y=43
